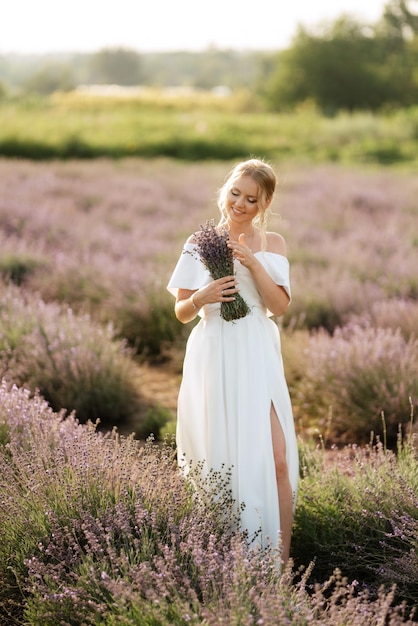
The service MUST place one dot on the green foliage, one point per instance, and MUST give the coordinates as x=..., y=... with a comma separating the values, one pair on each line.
x=317, y=312
x=150, y=329
x=76, y=285
x=352, y=509
x=3, y=91
x=18, y=267
x=50, y=78
x=115, y=66
x=154, y=423
x=399, y=20
x=344, y=66
x=193, y=128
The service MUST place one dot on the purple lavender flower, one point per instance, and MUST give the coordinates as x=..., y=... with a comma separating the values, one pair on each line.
x=217, y=258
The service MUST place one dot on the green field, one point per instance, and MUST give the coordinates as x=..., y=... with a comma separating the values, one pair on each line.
x=198, y=127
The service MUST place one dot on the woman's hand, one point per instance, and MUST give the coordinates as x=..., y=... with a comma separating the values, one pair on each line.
x=189, y=302
x=241, y=251
x=220, y=290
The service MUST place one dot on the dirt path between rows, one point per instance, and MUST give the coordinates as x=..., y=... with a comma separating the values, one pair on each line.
x=159, y=386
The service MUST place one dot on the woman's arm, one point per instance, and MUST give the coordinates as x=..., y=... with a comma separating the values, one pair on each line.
x=188, y=302
x=275, y=297
x=186, y=307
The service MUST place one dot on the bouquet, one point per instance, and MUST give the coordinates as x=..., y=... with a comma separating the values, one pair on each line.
x=217, y=258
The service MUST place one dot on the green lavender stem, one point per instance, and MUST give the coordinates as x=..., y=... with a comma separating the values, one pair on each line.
x=234, y=310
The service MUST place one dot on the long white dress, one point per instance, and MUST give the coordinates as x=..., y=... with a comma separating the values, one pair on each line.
x=232, y=374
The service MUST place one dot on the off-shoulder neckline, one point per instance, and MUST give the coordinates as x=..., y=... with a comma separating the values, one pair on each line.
x=194, y=245
x=273, y=253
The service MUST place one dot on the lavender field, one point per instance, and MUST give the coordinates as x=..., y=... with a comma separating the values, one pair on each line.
x=86, y=250
x=102, y=237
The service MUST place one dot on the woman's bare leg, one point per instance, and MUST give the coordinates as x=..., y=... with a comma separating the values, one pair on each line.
x=284, y=488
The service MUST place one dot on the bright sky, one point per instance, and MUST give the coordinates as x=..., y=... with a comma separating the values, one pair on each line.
x=38, y=26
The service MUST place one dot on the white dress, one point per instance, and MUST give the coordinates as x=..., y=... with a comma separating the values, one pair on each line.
x=232, y=373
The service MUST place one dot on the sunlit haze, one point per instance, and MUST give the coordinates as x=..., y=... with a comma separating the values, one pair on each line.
x=161, y=25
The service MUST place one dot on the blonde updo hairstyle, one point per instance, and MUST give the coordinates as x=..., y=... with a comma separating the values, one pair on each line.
x=262, y=173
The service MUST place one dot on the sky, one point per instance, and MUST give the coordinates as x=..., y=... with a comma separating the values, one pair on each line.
x=41, y=26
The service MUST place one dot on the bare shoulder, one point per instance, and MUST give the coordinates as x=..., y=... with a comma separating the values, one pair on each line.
x=276, y=243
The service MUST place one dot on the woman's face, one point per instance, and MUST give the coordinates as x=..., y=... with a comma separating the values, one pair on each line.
x=242, y=200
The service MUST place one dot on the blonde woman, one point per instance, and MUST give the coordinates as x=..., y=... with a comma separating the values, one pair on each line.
x=234, y=409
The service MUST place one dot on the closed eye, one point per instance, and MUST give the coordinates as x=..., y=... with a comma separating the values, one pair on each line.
x=236, y=192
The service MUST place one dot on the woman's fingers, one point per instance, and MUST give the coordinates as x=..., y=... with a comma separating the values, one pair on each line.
x=228, y=286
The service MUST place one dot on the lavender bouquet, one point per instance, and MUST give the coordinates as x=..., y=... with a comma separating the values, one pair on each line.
x=217, y=258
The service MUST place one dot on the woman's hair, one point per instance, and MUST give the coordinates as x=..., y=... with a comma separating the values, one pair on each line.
x=265, y=178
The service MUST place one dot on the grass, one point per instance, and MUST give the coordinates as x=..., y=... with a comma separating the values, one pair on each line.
x=197, y=127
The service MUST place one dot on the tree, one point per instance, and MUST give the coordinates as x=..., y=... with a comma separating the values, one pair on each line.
x=49, y=78
x=399, y=20
x=398, y=32
x=345, y=65
x=120, y=66
x=3, y=92
x=335, y=68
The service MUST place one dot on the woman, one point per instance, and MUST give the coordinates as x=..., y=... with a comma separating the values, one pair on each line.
x=234, y=408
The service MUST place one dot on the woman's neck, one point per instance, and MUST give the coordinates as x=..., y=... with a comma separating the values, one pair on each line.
x=236, y=230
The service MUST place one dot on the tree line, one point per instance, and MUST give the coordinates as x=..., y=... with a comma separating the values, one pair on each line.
x=345, y=64
x=349, y=65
